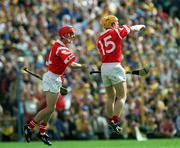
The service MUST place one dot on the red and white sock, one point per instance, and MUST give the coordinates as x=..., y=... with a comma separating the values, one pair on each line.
x=32, y=124
x=42, y=127
x=114, y=118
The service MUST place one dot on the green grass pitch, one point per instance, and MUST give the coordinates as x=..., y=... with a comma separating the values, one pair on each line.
x=158, y=143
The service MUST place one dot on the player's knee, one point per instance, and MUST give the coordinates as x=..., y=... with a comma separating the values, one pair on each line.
x=50, y=110
x=121, y=98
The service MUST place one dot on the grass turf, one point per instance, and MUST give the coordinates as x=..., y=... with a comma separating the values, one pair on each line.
x=158, y=143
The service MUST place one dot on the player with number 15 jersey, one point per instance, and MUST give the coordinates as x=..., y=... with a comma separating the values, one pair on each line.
x=113, y=74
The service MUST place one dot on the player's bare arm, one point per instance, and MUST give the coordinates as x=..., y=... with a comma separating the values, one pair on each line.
x=75, y=65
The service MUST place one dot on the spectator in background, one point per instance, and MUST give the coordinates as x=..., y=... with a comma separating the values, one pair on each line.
x=8, y=124
x=150, y=128
x=167, y=127
x=69, y=127
x=83, y=125
x=99, y=125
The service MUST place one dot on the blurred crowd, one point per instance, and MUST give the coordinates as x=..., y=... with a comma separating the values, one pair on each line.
x=28, y=29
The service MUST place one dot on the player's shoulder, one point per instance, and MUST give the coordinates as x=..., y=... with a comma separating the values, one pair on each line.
x=56, y=45
x=59, y=43
x=60, y=46
x=105, y=32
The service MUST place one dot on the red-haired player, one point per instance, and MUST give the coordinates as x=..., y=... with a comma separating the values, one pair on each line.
x=113, y=74
x=59, y=57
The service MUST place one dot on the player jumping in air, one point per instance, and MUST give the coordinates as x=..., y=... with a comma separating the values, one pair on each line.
x=59, y=57
x=113, y=74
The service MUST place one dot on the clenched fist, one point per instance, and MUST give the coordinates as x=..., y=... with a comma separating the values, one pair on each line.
x=63, y=91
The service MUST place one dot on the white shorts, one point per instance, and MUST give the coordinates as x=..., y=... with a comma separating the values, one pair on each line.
x=51, y=82
x=112, y=73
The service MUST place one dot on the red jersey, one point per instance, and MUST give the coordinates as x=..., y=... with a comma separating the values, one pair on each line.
x=110, y=44
x=59, y=58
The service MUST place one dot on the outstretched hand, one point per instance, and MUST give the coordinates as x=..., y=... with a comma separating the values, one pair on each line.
x=137, y=27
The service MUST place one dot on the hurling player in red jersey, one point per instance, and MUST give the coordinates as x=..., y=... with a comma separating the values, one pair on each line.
x=59, y=58
x=113, y=74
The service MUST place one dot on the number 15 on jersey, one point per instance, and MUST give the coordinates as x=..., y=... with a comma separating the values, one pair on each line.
x=106, y=48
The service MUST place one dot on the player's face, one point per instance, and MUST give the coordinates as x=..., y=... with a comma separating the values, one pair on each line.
x=116, y=25
x=69, y=38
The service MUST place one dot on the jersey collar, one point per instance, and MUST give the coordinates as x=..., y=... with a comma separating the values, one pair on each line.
x=105, y=31
x=60, y=42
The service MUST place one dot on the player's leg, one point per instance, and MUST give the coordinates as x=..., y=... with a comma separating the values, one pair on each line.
x=51, y=87
x=118, y=106
x=113, y=118
x=44, y=114
x=51, y=99
x=118, y=80
x=42, y=117
x=111, y=94
x=121, y=91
